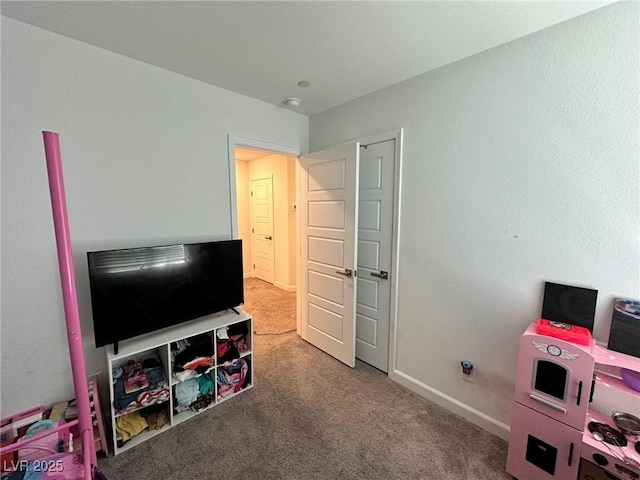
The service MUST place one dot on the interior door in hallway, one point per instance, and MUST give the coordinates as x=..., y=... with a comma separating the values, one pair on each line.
x=328, y=249
x=262, y=229
x=375, y=233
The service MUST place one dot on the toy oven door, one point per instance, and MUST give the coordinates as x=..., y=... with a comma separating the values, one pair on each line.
x=554, y=377
x=540, y=448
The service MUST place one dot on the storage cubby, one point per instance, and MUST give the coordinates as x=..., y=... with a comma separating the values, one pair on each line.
x=195, y=393
x=233, y=377
x=176, y=373
x=192, y=357
x=233, y=361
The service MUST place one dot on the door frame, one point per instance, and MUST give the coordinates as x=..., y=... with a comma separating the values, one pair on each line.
x=397, y=135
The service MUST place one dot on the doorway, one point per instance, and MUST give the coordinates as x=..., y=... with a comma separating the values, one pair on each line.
x=265, y=201
x=377, y=275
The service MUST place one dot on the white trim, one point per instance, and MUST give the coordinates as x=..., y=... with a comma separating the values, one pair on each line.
x=476, y=417
x=280, y=285
x=284, y=286
x=298, y=251
x=234, y=141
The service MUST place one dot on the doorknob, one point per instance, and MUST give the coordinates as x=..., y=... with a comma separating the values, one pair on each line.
x=268, y=237
x=346, y=272
x=384, y=275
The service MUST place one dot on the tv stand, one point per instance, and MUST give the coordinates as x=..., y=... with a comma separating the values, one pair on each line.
x=235, y=310
x=226, y=331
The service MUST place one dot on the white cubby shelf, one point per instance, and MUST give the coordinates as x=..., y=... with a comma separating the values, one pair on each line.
x=158, y=345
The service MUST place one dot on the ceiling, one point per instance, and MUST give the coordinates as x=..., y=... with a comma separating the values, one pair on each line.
x=262, y=49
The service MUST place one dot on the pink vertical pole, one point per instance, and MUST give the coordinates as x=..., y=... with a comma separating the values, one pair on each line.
x=69, y=294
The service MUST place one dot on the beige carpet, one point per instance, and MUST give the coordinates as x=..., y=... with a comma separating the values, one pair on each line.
x=273, y=309
x=309, y=417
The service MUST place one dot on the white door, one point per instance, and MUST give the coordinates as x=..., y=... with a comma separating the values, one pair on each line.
x=262, y=229
x=375, y=230
x=328, y=249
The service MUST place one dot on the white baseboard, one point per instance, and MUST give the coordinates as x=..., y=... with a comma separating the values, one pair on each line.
x=465, y=411
x=283, y=286
x=288, y=288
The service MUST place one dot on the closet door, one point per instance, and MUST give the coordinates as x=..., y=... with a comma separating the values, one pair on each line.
x=328, y=230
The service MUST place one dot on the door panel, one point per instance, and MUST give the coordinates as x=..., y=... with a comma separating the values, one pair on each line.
x=262, y=229
x=330, y=175
x=375, y=231
x=326, y=321
x=327, y=251
x=368, y=294
x=327, y=214
x=367, y=329
x=326, y=287
x=369, y=254
x=328, y=228
x=369, y=215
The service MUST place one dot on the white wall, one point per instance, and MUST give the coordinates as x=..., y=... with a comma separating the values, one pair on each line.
x=520, y=166
x=145, y=160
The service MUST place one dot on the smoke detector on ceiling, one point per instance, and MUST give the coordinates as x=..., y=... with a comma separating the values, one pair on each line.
x=292, y=101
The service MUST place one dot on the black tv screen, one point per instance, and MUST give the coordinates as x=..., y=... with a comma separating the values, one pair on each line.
x=624, y=336
x=568, y=304
x=140, y=290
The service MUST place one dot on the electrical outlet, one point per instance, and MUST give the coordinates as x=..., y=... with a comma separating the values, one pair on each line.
x=467, y=370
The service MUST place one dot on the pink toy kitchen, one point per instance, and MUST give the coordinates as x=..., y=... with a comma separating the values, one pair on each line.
x=576, y=405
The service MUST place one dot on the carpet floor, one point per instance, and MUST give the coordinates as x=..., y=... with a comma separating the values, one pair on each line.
x=273, y=309
x=308, y=416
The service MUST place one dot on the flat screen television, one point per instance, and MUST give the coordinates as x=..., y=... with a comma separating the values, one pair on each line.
x=139, y=290
x=624, y=336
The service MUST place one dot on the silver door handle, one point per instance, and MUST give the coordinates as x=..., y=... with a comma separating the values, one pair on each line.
x=547, y=403
x=268, y=237
x=346, y=272
x=384, y=275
